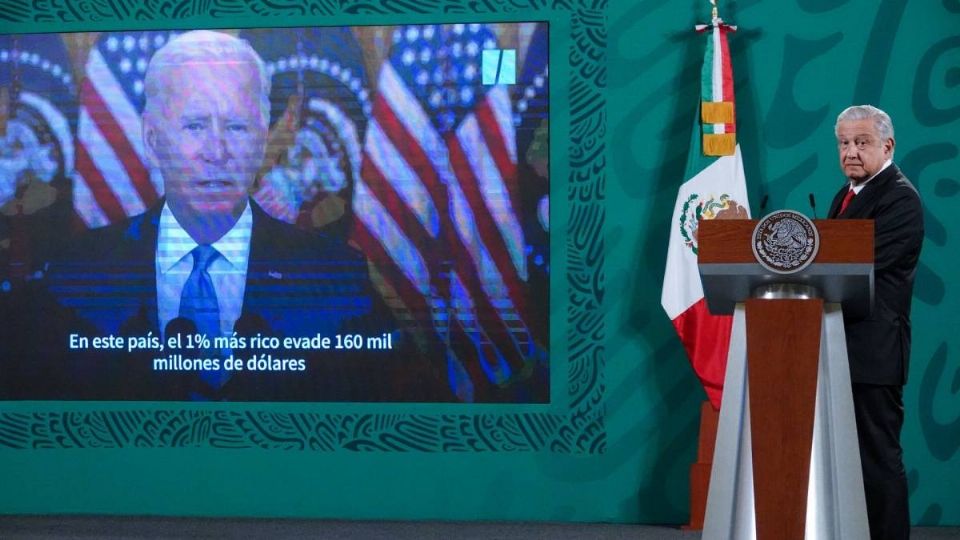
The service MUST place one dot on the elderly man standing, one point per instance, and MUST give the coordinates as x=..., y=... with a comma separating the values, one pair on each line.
x=207, y=261
x=878, y=346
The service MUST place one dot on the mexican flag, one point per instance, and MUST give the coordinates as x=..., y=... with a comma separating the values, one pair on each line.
x=714, y=188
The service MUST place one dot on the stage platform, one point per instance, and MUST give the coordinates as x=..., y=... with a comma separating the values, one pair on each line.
x=114, y=528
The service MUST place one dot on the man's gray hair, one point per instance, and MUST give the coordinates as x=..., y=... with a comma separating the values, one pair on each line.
x=202, y=46
x=881, y=120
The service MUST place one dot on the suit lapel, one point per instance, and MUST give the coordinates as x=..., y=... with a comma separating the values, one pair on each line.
x=137, y=251
x=863, y=201
x=837, y=200
x=262, y=271
x=120, y=260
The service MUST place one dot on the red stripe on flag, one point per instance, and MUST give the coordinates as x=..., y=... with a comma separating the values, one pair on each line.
x=394, y=275
x=498, y=149
x=460, y=343
x=386, y=194
x=706, y=337
x=99, y=112
x=727, y=76
x=404, y=217
x=413, y=153
x=497, y=145
x=105, y=197
x=408, y=146
x=488, y=317
x=489, y=233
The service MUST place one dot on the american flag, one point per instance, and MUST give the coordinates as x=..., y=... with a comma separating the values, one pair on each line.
x=112, y=180
x=436, y=208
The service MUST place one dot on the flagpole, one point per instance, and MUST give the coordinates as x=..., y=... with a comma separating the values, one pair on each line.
x=713, y=112
x=301, y=84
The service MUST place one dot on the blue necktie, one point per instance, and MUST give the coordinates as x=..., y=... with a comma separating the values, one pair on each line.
x=198, y=302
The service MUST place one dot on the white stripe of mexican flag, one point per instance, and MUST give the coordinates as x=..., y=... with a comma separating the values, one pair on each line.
x=723, y=177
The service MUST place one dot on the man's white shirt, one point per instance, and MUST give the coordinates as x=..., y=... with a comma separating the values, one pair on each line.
x=228, y=271
x=858, y=188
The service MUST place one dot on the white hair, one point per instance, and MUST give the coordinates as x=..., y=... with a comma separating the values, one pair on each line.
x=202, y=46
x=881, y=120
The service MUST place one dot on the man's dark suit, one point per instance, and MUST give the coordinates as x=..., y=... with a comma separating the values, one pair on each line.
x=878, y=346
x=297, y=285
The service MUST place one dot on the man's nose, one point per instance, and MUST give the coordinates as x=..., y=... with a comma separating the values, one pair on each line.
x=215, y=148
x=850, y=151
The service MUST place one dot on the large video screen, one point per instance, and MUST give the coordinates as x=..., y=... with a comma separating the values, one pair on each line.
x=281, y=214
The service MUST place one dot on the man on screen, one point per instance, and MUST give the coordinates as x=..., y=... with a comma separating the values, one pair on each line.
x=879, y=345
x=208, y=263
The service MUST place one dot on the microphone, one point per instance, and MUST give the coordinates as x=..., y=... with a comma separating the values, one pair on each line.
x=180, y=326
x=813, y=205
x=763, y=203
x=250, y=324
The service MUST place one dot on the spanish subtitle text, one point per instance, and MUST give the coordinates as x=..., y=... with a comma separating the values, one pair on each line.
x=199, y=352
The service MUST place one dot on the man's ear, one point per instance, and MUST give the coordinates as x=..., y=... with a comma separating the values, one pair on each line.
x=150, y=139
x=888, y=146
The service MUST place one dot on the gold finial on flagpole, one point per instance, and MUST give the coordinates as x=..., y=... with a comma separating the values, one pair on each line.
x=715, y=14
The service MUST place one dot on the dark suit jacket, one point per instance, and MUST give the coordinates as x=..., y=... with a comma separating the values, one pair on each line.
x=299, y=284
x=879, y=345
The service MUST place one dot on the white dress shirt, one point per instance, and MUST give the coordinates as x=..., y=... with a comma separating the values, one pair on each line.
x=228, y=271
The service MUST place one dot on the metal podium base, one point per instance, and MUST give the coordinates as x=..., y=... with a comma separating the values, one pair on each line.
x=836, y=508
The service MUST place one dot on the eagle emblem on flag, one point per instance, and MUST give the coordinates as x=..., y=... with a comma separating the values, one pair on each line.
x=320, y=103
x=722, y=207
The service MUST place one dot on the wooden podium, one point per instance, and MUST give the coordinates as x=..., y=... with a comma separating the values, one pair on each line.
x=787, y=462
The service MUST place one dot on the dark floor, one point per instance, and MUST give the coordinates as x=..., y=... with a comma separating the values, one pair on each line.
x=107, y=527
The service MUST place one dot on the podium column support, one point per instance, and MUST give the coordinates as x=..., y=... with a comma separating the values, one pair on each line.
x=783, y=350
x=836, y=505
x=832, y=491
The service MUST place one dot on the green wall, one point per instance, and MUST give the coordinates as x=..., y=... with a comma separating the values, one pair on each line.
x=617, y=439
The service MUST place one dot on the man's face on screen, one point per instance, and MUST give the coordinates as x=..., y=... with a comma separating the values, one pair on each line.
x=208, y=140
